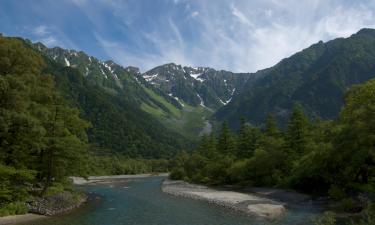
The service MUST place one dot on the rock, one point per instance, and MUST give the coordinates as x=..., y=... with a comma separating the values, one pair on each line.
x=58, y=204
x=271, y=211
x=245, y=202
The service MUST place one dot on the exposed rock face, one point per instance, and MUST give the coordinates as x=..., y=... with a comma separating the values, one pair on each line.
x=57, y=204
x=238, y=201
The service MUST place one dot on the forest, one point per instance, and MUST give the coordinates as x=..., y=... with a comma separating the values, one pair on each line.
x=43, y=138
x=322, y=158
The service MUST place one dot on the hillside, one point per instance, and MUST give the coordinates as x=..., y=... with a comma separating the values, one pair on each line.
x=197, y=85
x=316, y=78
x=111, y=98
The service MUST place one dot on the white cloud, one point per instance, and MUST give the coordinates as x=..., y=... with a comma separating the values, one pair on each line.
x=241, y=16
x=52, y=36
x=241, y=36
x=41, y=30
x=194, y=14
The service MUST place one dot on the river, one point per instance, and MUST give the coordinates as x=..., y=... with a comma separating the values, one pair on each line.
x=141, y=202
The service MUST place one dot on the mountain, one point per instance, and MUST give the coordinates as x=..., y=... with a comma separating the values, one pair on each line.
x=197, y=85
x=316, y=78
x=116, y=102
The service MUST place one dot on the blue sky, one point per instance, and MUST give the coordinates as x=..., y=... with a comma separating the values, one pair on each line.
x=238, y=35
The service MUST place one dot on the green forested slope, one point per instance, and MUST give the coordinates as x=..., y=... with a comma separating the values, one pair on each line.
x=118, y=123
x=316, y=78
x=329, y=158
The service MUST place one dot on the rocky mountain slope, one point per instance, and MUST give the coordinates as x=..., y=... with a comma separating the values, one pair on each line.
x=197, y=85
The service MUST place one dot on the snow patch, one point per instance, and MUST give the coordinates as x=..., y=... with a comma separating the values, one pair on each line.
x=150, y=77
x=196, y=76
x=230, y=99
x=105, y=75
x=202, y=102
x=87, y=71
x=67, y=63
x=171, y=95
x=110, y=70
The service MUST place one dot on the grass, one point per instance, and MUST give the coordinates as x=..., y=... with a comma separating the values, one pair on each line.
x=189, y=121
x=175, y=112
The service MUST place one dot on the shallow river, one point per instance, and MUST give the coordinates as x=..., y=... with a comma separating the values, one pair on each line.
x=141, y=202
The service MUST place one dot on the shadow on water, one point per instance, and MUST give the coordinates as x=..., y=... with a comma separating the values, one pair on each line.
x=141, y=202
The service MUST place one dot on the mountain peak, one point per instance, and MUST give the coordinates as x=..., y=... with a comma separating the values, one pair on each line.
x=366, y=31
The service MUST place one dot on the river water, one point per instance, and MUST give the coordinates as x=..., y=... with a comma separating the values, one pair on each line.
x=141, y=202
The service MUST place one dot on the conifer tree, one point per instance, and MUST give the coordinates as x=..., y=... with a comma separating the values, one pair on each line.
x=226, y=142
x=298, y=131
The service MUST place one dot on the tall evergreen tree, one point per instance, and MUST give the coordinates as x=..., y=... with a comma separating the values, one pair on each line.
x=298, y=131
x=226, y=142
x=271, y=128
x=247, y=140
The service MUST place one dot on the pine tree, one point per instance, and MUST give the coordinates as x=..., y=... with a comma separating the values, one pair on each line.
x=298, y=131
x=247, y=140
x=271, y=128
x=226, y=143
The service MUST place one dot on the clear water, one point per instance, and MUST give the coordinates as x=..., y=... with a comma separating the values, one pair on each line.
x=141, y=202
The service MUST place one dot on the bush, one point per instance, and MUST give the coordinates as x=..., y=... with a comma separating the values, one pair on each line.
x=177, y=174
x=348, y=205
x=55, y=189
x=328, y=218
x=237, y=172
x=14, y=208
x=336, y=193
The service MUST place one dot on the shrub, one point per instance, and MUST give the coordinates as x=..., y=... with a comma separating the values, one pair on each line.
x=336, y=193
x=177, y=174
x=328, y=218
x=14, y=208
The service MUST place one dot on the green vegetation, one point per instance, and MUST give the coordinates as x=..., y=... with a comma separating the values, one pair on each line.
x=42, y=139
x=174, y=111
x=333, y=158
x=316, y=78
x=117, y=165
x=118, y=122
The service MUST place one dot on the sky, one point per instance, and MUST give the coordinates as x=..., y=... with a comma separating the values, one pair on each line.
x=238, y=35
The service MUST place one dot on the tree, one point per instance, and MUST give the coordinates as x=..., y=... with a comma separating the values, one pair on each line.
x=66, y=141
x=354, y=157
x=298, y=131
x=247, y=140
x=226, y=143
x=41, y=137
x=207, y=146
x=271, y=128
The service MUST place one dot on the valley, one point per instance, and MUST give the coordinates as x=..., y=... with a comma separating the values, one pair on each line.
x=304, y=124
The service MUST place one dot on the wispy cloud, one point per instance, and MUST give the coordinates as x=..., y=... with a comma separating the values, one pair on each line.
x=241, y=16
x=251, y=35
x=41, y=30
x=237, y=35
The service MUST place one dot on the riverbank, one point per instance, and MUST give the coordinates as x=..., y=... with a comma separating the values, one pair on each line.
x=45, y=207
x=101, y=179
x=15, y=219
x=251, y=204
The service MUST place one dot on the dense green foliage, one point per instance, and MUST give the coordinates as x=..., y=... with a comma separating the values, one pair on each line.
x=316, y=78
x=333, y=158
x=110, y=98
x=42, y=139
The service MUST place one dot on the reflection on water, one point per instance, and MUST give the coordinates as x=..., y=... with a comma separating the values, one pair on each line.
x=141, y=202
